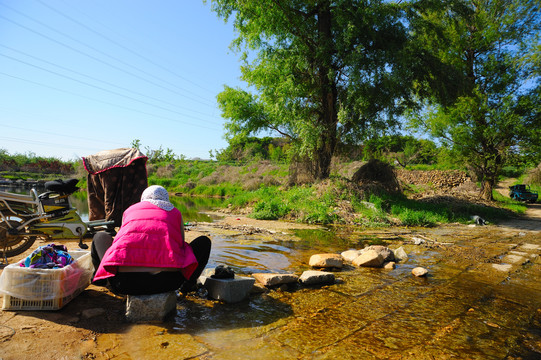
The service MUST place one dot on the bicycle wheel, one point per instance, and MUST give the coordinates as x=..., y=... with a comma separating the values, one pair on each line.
x=11, y=245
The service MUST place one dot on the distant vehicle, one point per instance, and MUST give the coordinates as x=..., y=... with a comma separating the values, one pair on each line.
x=522, y=193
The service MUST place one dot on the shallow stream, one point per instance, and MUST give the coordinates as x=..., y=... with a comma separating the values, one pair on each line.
x=480, y=300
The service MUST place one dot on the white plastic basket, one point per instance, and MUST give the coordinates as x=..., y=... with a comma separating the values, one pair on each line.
x=45, y=289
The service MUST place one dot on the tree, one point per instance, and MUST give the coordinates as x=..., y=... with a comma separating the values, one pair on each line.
x=324, y=71
x=492, y=111
x=401, y=149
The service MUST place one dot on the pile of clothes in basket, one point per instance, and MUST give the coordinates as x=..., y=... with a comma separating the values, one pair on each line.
x=48, y=257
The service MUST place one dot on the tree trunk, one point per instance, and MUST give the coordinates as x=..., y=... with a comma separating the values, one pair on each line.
x=328, y=118
x=486, y=190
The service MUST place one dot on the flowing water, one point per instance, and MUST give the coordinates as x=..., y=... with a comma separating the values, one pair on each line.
x=480, y=300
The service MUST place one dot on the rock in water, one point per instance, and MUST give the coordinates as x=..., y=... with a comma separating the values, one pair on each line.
x=370, y=258
x=419, y=271
x=326, y=261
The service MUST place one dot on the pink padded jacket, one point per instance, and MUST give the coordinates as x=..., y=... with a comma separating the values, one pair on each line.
x=149, y=237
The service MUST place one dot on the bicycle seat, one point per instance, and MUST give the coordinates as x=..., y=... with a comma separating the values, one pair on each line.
x=62, y=186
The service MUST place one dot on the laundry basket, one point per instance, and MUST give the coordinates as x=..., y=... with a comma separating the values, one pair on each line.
x=45, y=289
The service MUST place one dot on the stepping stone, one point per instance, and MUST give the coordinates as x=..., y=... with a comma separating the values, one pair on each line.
x=155, y=307
x=350, y=255
x=502, y=267
x=275, y=279
x=530, y=247
x=370, y=258
x=228, y=290
x=384, y=251
x=312, y=277
x=514, y=259
x=326, y=261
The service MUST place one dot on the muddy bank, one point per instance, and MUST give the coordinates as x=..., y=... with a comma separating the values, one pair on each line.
x=480, y=300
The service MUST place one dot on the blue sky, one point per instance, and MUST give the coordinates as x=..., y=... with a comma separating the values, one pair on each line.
x=78, y=77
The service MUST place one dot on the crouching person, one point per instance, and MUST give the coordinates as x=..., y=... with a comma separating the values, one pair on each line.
x=149, y=254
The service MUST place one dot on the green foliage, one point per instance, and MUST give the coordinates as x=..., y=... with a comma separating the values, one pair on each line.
x=34, y=165
x=323, y=73
x=271, y=209
x=160, y=155
x=136, y=143
x=510, y=204
x=156, y=156
x=484, y=46
x=512, y=171
x=414, y=217
x=253, y=148
x=318, y=203
x=405, y=150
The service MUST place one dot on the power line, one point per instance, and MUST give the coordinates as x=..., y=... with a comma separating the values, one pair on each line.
x=100, y=81
x=95, y=86
x=58, y=134
x=122, y=46
x=91, y=47
x=106, y=102
x=54, y=145
x=97, y=59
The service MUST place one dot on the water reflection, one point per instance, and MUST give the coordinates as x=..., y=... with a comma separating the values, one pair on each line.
x=192, y=208
x=246, y=256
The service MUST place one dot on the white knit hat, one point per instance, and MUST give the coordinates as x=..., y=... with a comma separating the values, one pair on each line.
x=157, y=195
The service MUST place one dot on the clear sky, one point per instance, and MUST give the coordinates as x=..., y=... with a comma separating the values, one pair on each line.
x=82, y=76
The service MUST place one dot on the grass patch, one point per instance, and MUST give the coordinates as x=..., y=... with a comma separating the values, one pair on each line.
x=509, y=204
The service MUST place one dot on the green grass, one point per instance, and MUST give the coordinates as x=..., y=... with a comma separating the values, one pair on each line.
x=509, y=204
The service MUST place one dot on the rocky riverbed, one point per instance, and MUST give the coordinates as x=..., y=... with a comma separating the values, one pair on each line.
x=481, y=299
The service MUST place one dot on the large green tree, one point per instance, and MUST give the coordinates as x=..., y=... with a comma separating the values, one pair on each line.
x=487, y=45
x=319, y=72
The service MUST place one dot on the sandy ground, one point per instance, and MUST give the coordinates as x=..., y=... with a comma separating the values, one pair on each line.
x=72, y=332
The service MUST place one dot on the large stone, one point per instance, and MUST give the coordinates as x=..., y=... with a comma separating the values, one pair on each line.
x=419, y=271
x=275, y=279
x=326, y=261
x=143, y=308
x=313, y=277
x=350, y=255
x=514, y=259
x=228, y=290
x=400, y=254
x=530, y=247
x=370, y=258
x=502, y=267
x=384, y=251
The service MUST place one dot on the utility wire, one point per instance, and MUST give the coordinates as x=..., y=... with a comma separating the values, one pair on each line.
x=97, y=87
x=99, y=60
x=54, y=145
x=122, y=46
x=60, y=135
x=91, y=47
x=101, y=81
x=108, y=103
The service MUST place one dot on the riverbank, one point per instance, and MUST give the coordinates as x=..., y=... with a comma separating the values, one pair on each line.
x=466, y=308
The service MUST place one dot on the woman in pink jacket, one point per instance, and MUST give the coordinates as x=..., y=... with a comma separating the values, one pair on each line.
x=149, y=255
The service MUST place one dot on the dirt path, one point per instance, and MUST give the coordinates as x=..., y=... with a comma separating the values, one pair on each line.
x=532, y=216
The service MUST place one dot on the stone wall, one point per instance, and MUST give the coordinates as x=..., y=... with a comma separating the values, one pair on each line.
x=436, y=178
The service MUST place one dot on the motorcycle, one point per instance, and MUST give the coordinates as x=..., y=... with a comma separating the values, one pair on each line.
x=47, y=216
